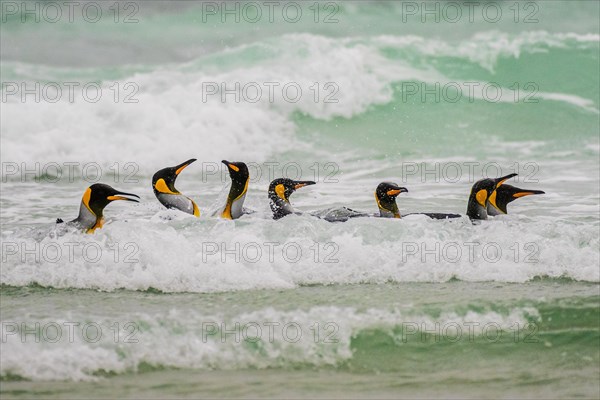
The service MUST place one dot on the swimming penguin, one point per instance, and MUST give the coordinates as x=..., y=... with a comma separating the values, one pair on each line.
x=95, y=198
x=386, y=194
x=485, y=194
x=240, y=177
x=279, y=194
x=481, y=191
x=503, y=195
x=163, y=184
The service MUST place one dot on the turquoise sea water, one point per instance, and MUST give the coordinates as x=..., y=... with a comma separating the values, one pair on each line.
x=159, y=304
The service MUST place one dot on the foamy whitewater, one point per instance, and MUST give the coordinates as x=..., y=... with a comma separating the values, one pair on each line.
x=205, y=302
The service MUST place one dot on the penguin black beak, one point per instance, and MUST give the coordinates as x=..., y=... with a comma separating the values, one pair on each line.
x=395, y=192
x=501, y=180
x=183, y=165
x=300, y=184
x=230, y=165
x=117, y=197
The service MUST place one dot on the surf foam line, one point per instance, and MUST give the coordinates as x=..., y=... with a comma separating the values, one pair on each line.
x=177, y=256
x=82, y=349
x=173, y=112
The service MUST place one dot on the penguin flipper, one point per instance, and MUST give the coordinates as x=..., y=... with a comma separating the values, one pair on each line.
x=437, y=215
x=341, y=214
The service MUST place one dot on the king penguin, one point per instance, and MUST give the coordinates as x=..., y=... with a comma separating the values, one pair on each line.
x=481, y=191
x=95, y=198
x=488, y=197
x=279, y=194
x=386, y=194
x=163, y=184
x=240, y=178
x=504, y=194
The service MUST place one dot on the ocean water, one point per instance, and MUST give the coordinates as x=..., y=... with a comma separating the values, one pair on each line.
x=159, y=304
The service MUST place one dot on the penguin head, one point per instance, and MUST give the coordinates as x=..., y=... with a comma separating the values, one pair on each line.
x=238, y=171
x=163, y=181
x=280, y=191
x=503, y=195
x=480, y=193
x=99, y=195
x=282, y=188
x=386, y=194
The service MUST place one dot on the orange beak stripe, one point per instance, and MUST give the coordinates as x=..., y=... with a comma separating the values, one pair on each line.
x=522, y=194
x=181, y=169
x=501, y=182
x=112, y=198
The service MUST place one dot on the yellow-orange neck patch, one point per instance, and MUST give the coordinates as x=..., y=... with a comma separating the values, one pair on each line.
x=492, y=200
x=481, y=197
x=162, y=187
x=280, y=190
x=86, y=199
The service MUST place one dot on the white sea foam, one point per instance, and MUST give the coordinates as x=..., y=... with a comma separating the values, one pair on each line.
x=212, y=255
x=174, y=120
x=265, y=338
x=486, y=48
